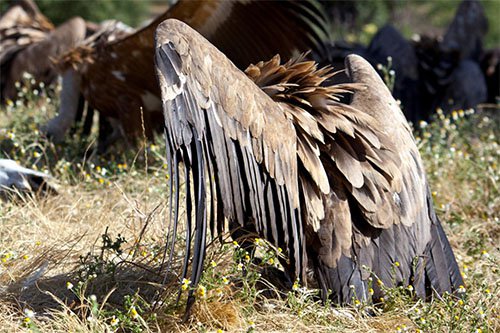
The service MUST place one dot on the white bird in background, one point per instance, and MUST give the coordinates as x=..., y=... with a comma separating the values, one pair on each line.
x=15, y=177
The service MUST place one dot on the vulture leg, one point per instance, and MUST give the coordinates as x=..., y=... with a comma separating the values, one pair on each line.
x=57, y=127
x=79, y=114
x=87, y=123
x=110, y=131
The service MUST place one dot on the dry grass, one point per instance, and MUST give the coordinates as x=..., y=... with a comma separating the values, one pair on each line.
x=44, y=243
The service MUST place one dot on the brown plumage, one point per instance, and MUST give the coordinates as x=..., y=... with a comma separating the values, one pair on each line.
x=338, y=186
x=29, y=43
x=118, y=78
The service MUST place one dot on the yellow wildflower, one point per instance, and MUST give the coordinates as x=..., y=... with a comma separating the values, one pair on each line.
x=185, y=284
x=201, y=291
x=370, y=28
x=133, y=313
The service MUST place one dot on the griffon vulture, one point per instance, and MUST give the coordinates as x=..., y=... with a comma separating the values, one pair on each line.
x=432, y=72
x=340, y=187
x=30, y=44
x=117, y=78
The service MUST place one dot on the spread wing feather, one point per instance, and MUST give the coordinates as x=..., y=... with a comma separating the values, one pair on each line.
x=296, y=166
x=207, y=120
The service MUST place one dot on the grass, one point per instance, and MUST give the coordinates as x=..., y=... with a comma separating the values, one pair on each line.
x=90, y=258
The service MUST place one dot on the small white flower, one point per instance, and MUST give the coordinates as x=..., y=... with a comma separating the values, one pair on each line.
x=114, y=321
x=29, y=313
x=485, y=254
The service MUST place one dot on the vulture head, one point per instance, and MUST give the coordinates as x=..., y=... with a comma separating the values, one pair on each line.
x=340, y=187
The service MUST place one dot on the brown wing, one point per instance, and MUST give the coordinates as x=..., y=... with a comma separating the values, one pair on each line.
x=304, y=171
x=378, y=210
x=220, y=123
x=245, y=30
x=25, y=13
x=386, y=228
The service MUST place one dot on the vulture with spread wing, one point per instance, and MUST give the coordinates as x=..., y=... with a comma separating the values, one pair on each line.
x=341, y=188
x=117, y=77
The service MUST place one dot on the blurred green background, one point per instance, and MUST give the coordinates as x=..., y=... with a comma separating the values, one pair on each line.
x=409, y=16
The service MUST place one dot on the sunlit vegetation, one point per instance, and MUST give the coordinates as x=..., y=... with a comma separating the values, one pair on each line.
x=92, y=258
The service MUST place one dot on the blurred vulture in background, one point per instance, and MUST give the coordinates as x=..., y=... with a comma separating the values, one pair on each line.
x=72, y=98
x=29, y=43
x=451, y=73
x=117, y=77
x=340, y=187
x=14, y=177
